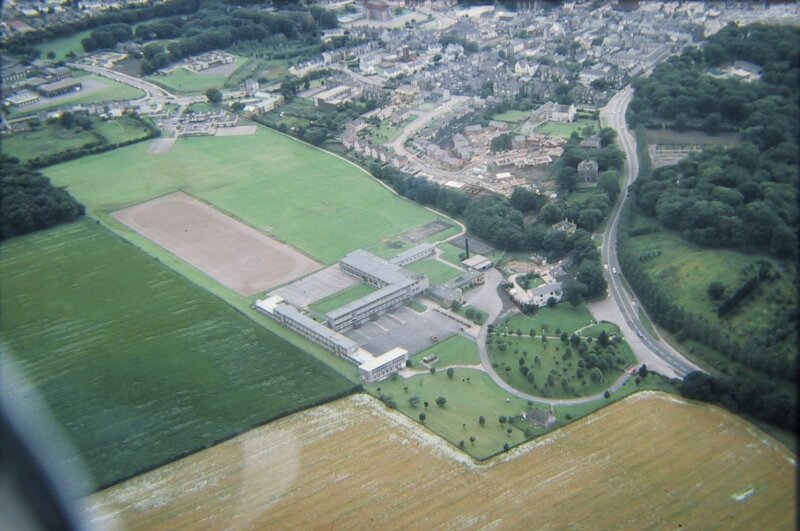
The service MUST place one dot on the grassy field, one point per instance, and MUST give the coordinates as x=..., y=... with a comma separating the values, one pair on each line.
x=342, y=298
x=563, y=317
x=45, y=140
x=112, y=91
x=458, y=419
x=122, y=129
x=137, y=364
x=61, y=47
x=301, y=195
x=564, y=130
x=554, y=358
x=456, y=350
x=182, y=80
x=634, y=465
x=558, y=368
x=686, y=270
x=49, y=139
x=512, y=116
x=436, y=270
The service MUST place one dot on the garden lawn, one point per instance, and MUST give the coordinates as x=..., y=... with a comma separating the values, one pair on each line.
x=137, y=364
x=456, y=350
x=562, y=316
x=343, y=297
x=318, y=203
x=436, y=270
x=450, y=252
x=383, y=134
x=466, y=401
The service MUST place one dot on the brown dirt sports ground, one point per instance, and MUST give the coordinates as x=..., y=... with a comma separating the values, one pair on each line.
x=651, y=460
x=227, y=250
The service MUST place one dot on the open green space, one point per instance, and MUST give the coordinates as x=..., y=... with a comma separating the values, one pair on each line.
x=686, y=270
x=136, y=363
x=512, y=116
x=49, y=139
x=548, y=367
x=121, y=129
x=564, y=130
x=563, y=317
x=455, y=350
x=451, y=253
x=436, y=270
x=383, y=134
x=470, y=394
x=301, y=195
x=343, y=297
x=62, y=46
x=182, y=80
x=46, y=140
x=111, y=91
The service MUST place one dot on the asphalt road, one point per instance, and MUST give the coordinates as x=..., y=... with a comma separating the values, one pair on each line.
x=661, y=355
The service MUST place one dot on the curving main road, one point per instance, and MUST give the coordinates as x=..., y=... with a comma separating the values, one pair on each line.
x=619, y=307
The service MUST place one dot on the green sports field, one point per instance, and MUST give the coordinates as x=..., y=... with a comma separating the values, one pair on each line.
x=322, y=205
x=136, y=363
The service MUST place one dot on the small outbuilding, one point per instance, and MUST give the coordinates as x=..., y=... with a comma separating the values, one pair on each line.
x=477, y=262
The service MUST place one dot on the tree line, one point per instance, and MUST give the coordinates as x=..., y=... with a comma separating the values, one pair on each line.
x=30, y=202
x=752, y=396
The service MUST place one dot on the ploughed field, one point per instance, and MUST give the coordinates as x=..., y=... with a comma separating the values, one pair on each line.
x=137, y=364
x=354, y=464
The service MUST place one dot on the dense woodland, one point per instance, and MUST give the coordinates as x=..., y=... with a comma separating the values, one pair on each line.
x=742, y=197
x=29, y=201
x=745, y=196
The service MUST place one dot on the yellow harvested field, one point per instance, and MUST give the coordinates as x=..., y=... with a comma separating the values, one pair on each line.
x=651, y=460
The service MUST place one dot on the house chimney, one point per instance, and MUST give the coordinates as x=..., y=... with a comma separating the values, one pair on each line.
x=466, y=248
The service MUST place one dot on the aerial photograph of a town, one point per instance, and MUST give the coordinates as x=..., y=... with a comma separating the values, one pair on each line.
x=399, y=264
